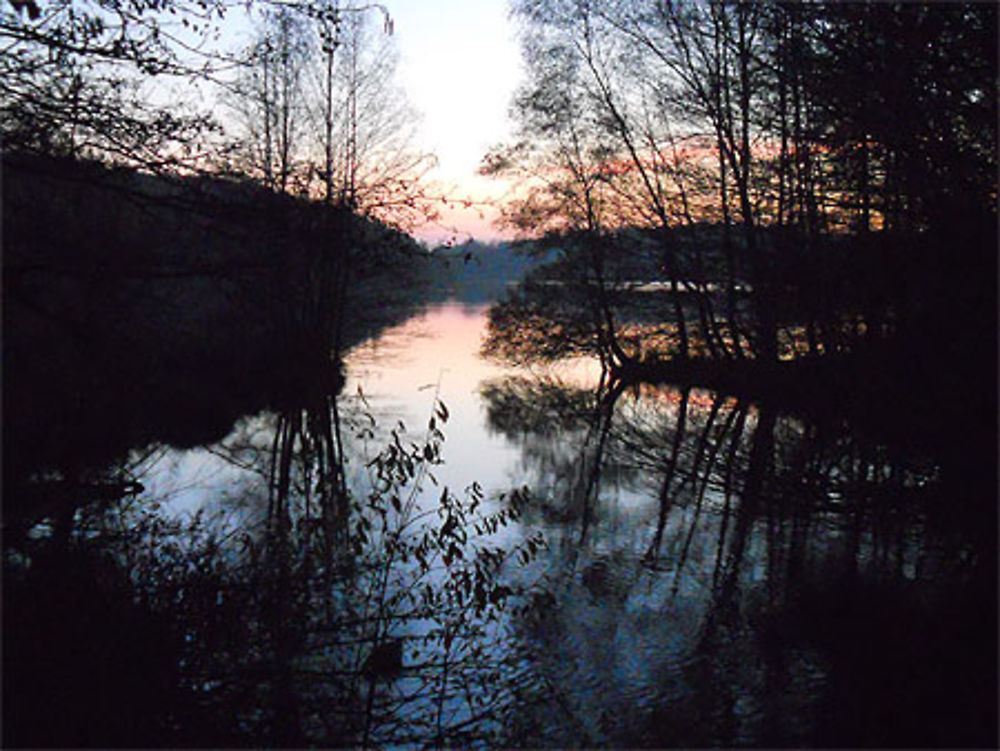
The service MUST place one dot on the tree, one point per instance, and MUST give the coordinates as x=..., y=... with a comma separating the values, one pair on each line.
x=311, y=101
x=318, y=111
x=76, y=75
x=565, y=157
x=633, y=99
x=785, y=123
x=362, y=126
x=919, y=138
x=268, y=98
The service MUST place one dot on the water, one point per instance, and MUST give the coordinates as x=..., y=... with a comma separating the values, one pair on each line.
x=715, y=571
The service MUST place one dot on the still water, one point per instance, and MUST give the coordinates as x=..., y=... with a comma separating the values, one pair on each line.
x=708, y=570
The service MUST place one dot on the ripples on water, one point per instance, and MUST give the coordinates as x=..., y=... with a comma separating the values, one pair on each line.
x=752, y=579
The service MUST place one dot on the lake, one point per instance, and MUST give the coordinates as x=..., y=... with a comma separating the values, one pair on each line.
x=543, y=560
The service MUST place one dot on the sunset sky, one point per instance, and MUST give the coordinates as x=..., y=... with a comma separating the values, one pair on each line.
x=459, y=64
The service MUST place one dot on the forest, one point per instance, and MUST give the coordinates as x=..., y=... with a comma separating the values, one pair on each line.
x=803, y=194
x=837, y=159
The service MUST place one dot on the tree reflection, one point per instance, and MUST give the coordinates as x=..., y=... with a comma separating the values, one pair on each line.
x=329, y=610
x=780, y=579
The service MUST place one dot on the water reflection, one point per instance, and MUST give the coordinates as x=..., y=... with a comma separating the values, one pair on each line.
x=746, y=577
x=363, y=568
x=318, y=617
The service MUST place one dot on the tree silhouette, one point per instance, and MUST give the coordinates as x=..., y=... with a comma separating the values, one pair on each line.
x=792, y=127
x=76, y=76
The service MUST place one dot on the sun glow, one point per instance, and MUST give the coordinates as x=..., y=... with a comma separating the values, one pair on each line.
x=459, y=64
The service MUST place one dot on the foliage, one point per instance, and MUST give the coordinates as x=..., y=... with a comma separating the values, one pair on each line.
x=388, y=625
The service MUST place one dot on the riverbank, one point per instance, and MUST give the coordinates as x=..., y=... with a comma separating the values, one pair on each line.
x=141, y=309
x=892, y=393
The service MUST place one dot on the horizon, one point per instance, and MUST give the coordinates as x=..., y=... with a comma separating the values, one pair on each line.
x=463, y=106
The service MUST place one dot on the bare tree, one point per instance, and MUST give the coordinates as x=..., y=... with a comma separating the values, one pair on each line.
x=658, y=80
x=361, y=121
x=74, y=79
x=267, y=98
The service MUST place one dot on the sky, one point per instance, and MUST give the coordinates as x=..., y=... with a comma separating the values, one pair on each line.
x=459, y=64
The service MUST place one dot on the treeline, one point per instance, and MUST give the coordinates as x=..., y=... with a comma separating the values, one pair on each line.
x=304, y=102
x=189, y=217
x=476, y=272
x=82, y=219
x=786, y=126
x=141, y=310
